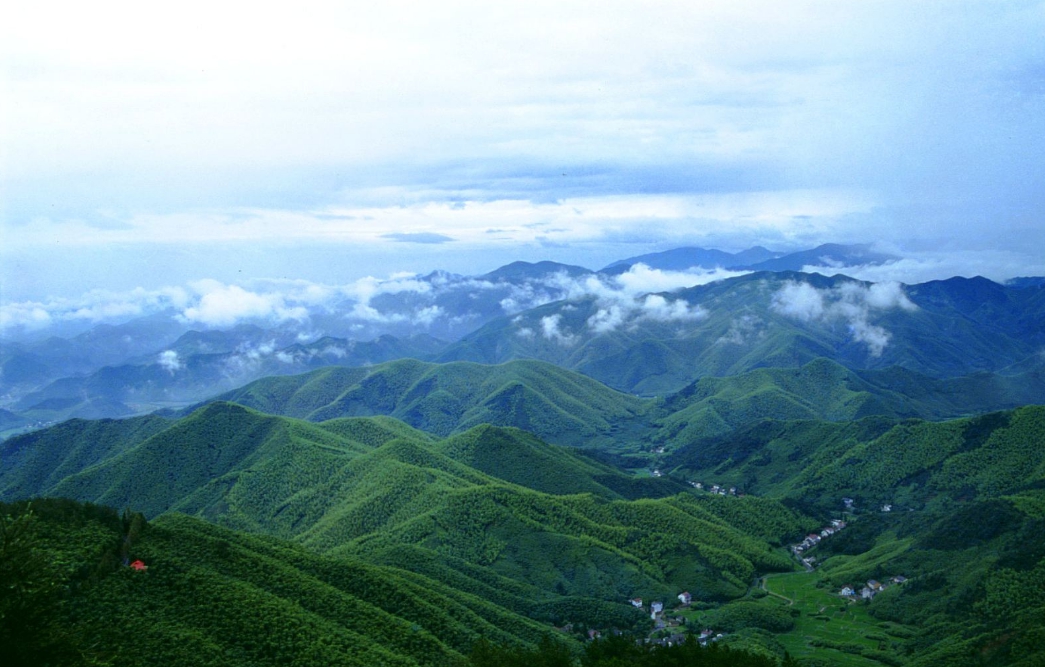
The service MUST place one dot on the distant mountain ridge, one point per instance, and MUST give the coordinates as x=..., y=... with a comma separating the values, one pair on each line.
x=756, y=258
x=198, y=364
x=624, y=337
x=773, y=319
x=681, y=259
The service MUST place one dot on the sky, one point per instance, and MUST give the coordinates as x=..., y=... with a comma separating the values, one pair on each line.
x=147, y=147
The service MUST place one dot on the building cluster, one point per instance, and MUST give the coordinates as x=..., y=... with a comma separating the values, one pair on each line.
x=870, y=589
x=667, y=629
x=716, y=489
x=813, y=539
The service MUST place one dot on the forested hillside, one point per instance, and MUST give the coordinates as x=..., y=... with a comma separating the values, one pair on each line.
x=376, y=488
x=557, y=405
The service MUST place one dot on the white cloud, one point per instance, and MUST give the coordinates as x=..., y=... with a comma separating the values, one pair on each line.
x=169, y=361
x=91, y=307
x=334, y=351
x=800, y=301
x=656, y=307
x=850, y=302
x=923, y=266
x=742, y=329
x=624, y=299
x=225, y=305
x=25, y=315
x=550, y=329
x=641, y=279
x=608, y=318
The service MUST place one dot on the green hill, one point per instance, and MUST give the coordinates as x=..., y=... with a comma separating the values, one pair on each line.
x=825, y=390
x=369, y=487
x=567, y=408
x=556, y=405
x=912, y=463
x=954, y=508
x=211, y=596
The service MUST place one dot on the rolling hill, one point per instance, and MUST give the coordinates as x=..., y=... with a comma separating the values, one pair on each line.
x=825, y=390
x=378, y=490
x=567, y=408
x=556, y=405
x=268, y=602
x=876, y=461
x=955, y=509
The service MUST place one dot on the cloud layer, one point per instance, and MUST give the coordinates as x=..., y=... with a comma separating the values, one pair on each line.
x=482, y=130
x=445, y=304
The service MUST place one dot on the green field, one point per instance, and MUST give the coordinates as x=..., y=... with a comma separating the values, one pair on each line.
x=829, y=627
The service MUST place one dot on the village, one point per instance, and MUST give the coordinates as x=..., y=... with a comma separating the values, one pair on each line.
x=717, y=489
x=851, y=593
x=667, y=629
x=669, y=626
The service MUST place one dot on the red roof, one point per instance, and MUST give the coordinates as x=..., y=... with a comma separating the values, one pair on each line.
x=139, y=565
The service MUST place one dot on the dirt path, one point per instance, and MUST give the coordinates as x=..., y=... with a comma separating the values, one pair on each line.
x=788, y=600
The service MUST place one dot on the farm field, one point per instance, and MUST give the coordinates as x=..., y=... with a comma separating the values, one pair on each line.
x=827, y=625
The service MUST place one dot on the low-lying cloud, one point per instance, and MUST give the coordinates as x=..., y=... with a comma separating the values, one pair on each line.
x=224, y=305
x=851, y=302
x=169, y=361
x=446, y=304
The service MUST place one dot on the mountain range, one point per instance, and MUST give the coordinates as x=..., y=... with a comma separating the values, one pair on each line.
x=129, y=366
x=646, y=344
x=573, y=443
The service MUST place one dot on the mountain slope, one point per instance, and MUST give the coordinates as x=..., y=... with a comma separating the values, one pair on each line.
x=268, y=602
x=345, y=495
x=556, y=405
x=825, y=390
x=876, y=461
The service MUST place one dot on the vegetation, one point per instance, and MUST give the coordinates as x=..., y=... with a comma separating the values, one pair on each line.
x=415, y=514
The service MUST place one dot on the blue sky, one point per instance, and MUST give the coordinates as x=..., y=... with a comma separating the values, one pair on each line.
x=149, y=146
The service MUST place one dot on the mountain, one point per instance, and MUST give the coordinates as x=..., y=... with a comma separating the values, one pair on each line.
x=755, y=259
x=567, y=408
x=526, y=271
x=950, y=514
x=683, y=259
x=557, y=405
x=827, y=255
x=876, y=460
x=657, y=344
x=30, y=364
x=405, y=527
